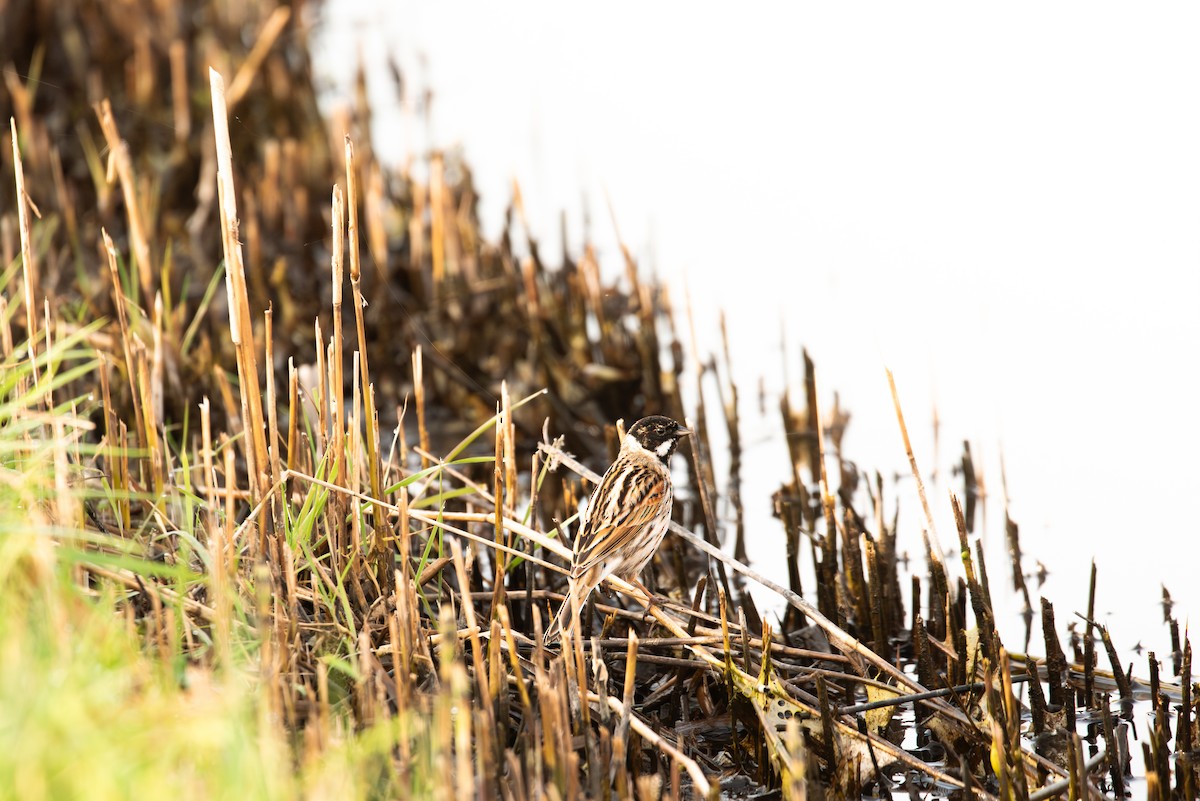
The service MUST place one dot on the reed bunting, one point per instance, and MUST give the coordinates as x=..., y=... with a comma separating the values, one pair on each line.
x=627, y=516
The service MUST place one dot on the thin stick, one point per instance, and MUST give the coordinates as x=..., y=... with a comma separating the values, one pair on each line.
x=912, y=461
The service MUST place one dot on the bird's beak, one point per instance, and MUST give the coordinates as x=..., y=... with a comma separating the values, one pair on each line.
x=684, y=432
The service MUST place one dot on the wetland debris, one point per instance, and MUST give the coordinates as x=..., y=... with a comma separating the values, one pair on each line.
x=370, y=519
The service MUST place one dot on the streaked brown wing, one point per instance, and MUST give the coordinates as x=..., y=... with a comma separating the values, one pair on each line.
x=629, y=498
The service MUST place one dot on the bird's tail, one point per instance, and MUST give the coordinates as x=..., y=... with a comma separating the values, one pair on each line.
x=563, y=618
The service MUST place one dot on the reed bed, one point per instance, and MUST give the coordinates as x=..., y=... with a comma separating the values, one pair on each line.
x=292, y=458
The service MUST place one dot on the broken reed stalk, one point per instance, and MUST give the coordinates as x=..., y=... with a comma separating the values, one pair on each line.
x=1186, y=759
x=980, y=604
x=121, y=163
x=127, y=341
x=827, y=600
x=1122, y=678
x=222, y=546
x=1089, y=641
x=384, y=535
x=418, y=377
x=336, y=385
x=500, y=493
x=1013, y=538
x=272, y=411
x=240, y=327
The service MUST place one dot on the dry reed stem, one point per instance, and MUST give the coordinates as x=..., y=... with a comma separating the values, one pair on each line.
x=68, y=504
x=320, y=395
x=936, y=551
x=29, y=267
x=1089, y=640
x=209, y=467
x=371, y=435
x=180, y=105
x=437, y=225
x=21, y=99
x=272, y=402
x=502, y=489
x=377, y=233
x=6, y=339
x=337, y=441
x=418, y=373
x=266, y=37
x=295, y=411
x=123, y=165
x=240, y=327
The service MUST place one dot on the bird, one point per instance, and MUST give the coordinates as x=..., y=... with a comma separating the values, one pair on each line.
x=627, y=516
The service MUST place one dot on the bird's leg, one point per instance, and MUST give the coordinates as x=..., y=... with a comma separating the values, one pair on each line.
x=635, y=581
x=586, y=611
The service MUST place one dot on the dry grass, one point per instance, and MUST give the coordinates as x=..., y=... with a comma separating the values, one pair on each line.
x=256, y=546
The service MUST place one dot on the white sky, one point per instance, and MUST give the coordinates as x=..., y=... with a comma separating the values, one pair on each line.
x=1000, y=203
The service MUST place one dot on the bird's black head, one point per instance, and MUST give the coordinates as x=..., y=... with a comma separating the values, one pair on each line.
x=658, y=434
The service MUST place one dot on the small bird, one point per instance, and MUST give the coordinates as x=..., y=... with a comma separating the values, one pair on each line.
x=626, y=517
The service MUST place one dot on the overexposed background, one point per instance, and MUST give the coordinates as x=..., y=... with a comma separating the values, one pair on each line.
x=1001, y=204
